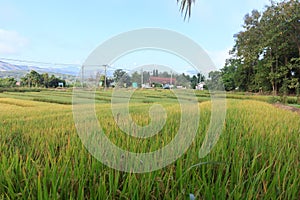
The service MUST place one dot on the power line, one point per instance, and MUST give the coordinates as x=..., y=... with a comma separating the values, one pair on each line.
x=37, y=62
x=61, y=64
x=107, y=67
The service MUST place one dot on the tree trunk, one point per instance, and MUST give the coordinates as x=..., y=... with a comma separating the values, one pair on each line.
x=298, y=92
x=273, y=78
x=273, y=87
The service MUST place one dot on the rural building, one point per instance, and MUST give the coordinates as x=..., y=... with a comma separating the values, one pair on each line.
x=161, y=80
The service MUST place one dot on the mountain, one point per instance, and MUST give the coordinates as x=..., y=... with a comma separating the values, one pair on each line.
x=6, y=67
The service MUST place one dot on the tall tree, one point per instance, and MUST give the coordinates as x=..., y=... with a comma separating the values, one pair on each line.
x=118, y=74
x=266, y=51
x=121, y=78
x=215, y=81
x=33, y=78
x=45, y=78
x=136, y=77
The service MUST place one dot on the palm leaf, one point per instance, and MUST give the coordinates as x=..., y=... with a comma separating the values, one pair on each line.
x=186, y=7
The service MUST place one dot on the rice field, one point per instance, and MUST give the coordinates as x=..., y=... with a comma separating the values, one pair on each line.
x=42, y=157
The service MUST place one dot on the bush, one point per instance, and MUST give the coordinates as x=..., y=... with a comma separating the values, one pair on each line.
x=291, y=100
x=274, y=99
x=18, y=89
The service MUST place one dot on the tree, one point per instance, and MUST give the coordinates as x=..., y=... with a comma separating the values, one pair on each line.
x=146, y=76
x=194, y=82
x=184, y=80
x=228, y=74
x=54, y=81
x=266, y=51
x=215, y=82
x=136, y=77
x=121, y=78
x=8, y=82
x=45, y=78
x=165, y=75
x=118, y=74
x=33, y=78
x=200, y=77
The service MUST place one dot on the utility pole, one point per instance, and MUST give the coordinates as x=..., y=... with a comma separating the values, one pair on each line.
x=171, y=77
x=200, y=78
x=142, y=77
x=82, y=75
x=105, y=66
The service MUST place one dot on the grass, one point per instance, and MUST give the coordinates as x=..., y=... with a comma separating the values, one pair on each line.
x=295, y=105
x=42, y=157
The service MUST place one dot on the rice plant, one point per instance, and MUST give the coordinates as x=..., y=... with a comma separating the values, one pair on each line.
x=42, y=157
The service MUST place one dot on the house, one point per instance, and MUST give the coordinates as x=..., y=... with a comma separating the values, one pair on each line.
x=161, y=80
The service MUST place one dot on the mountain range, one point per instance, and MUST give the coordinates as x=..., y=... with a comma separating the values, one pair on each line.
x=18, y=71
x=6, y=67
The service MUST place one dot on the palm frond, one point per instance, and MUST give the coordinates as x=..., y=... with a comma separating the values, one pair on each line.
x=186, y=7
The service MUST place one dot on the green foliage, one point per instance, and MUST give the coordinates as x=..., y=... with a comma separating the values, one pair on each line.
x=136, y=77
x=215, y=82
x=194, y=82
x=54, y=82
x=266, y=53
x=185, y=81
x=19, y=89
x=118, y=74
x=34, y=79
x=121, y=78
x=298, y=92
x=274, y=99
x=7, y=82
x=229, y=75
x=157, y=85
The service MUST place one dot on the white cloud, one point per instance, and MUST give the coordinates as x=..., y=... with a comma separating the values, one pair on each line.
x=11, y=42
x=219, y=57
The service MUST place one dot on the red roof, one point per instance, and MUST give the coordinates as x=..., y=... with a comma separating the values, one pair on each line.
x=154, y=79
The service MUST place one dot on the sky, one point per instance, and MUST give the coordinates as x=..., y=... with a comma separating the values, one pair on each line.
x=68, y=31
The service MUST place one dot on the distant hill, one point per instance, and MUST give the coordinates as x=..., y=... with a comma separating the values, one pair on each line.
x=8, y=67
x=4, y=66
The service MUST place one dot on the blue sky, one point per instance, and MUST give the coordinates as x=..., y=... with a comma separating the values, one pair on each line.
x=68, y=31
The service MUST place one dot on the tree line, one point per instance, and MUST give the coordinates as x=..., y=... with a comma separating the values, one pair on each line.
x=33, y=79
x=266, y=54
x=121, y=78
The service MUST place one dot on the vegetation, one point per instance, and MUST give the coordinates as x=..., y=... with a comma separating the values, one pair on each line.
x=266, y=54
x=42, y=157
x=256, y=156
x=8, y=82
x=32, y=79
x=185, y=80
x=186, y=7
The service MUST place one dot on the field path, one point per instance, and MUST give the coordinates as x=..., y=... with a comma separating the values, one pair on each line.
x=285, y=107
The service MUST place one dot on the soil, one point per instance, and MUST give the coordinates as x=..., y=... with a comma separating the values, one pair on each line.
x=286, y=107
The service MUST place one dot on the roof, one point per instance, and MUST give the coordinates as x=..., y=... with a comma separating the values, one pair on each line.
x=154, y=79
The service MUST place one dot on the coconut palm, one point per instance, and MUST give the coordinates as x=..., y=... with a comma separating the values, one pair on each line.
x=186, y=7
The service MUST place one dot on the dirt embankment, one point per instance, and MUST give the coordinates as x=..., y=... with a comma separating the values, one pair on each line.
x=286, y=107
